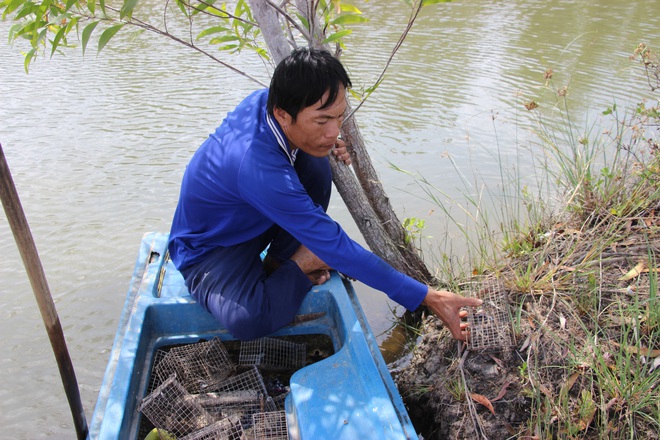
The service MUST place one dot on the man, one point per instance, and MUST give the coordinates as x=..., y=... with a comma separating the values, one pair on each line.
x=263, y=180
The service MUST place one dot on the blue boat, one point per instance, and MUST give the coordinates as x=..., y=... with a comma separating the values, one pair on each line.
x=348, y=395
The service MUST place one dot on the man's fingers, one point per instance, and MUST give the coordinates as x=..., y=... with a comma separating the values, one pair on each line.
x=341, y=152
x=460, y=335
x=473, y=302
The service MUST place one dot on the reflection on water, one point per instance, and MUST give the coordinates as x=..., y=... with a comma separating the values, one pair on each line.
x=97, y=147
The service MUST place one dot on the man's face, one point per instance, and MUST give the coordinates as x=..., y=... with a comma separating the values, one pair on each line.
x=315, y=131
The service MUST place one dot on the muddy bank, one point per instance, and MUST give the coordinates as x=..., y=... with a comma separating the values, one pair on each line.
x=592, y=294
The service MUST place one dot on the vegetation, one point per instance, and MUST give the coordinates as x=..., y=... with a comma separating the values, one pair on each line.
x=581, y=277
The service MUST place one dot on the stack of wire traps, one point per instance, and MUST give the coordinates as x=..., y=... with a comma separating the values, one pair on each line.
x=490, y=323
x=195, y=394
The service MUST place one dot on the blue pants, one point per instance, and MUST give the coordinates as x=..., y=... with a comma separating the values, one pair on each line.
x=231, y=282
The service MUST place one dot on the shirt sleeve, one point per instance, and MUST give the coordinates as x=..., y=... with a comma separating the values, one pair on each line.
x=271, y=186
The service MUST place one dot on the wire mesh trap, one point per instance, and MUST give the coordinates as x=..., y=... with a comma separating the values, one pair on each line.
x=242, y=395
x=270, y=425
x=490, y=323
x=225, y=429
x=169, y=407
x=273, y=354
x=198, y=366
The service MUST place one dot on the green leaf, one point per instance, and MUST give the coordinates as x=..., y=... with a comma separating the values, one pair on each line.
x=44, y=7
x=241, y=8
x=355, y=94
x=349, y=19
x=70, y=3
x=610, y=110
x=349, y=8
x=212, y=30
x=91, y=5
x=224, y=39
x=24, y=12
x=127, y=8
x=303, y=20
x=107, y=35
x=183, y=7
x=373, y=88
x=72, y=24
x=262, y=53
x=229, y=47
x=56, y=41
x=218, y=12
x=338, y=35
x=434, y=2
x=28, y=59
x=86, y=33
x=200, y=7
x=11, y=7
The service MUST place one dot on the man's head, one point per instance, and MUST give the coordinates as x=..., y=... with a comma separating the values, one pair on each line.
x=307, y=97
x=302, y=78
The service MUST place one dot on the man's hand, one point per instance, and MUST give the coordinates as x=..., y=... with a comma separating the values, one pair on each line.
x=341, y=152
x=447, y=306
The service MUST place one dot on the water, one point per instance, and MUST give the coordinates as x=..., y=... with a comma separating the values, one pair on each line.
x=97, y=147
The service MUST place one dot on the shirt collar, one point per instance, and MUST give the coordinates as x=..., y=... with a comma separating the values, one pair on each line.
x=281, y=139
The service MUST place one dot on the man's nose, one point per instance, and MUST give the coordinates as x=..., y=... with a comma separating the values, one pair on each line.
x=333, y=130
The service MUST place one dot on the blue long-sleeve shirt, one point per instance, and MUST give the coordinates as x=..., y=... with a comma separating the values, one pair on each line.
x=241, y=181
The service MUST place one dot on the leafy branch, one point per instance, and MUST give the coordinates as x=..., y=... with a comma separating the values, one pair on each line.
x=47, y=26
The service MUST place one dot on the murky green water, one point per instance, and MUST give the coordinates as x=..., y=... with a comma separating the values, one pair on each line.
x=97, y=147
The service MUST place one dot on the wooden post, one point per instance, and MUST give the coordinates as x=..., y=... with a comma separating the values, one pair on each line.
x=28, y=250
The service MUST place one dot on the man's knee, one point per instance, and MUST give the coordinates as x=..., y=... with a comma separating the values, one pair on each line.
x=246, y=328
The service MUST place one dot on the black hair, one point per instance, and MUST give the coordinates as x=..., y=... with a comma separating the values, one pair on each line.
x=302, y=78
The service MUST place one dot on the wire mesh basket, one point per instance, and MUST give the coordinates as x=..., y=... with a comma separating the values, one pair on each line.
x=490, y=323
x=170, y=407
x=273, y=354
x=279, y=400
x=198, y=367
x=229, y=428
x=242, y=395
x=270, y=426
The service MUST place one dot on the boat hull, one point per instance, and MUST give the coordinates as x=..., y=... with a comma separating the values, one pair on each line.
x=348, y=395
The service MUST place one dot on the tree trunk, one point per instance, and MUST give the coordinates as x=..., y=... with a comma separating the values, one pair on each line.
x=361, y=190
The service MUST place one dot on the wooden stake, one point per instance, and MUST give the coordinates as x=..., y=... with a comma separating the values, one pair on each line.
x=28, y=250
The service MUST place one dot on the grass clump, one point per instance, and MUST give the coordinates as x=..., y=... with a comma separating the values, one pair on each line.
x=581, y=277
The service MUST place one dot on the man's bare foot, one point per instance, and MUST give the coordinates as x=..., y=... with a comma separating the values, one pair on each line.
x=311, y=265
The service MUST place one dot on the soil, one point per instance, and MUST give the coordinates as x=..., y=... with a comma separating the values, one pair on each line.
x=454, y=393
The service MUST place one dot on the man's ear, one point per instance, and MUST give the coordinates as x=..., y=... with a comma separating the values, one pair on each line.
x=281, y=116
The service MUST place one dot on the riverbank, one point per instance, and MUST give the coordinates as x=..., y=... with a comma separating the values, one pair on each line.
x=586, y=354
x=582, y=287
